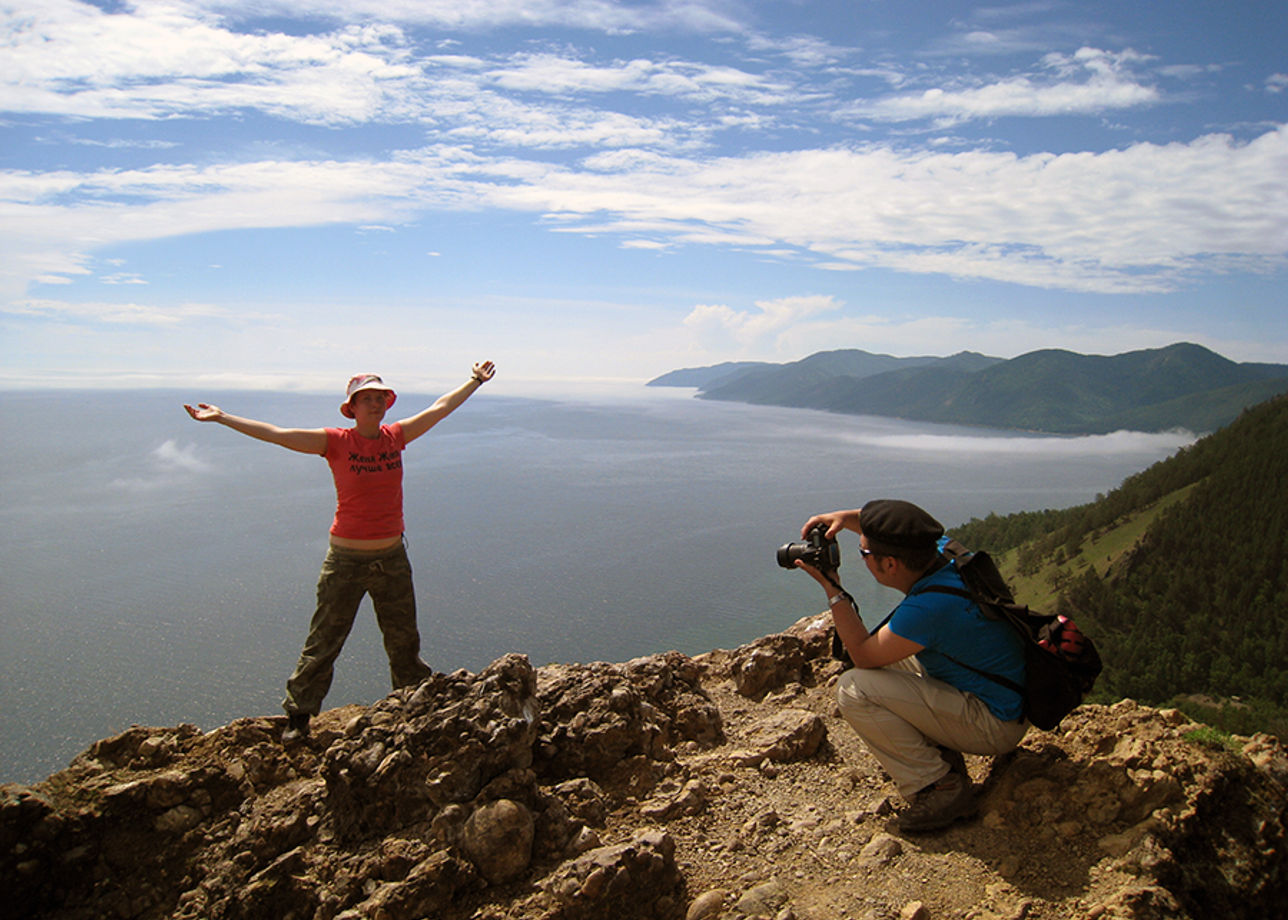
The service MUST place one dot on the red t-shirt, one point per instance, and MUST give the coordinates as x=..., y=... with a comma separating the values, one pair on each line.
x=368, y=482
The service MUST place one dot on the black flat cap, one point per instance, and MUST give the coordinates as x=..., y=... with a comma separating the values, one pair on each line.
x=898, y=524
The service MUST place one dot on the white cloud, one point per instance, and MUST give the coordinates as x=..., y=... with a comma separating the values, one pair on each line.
x=756, y=329
x=159, y=61
x=50, y=222
x=804, y=50
x=129, y=314
x=1107, y=86
x=561, y=75
x=508, y=123
x=1146, y=218
x=1142, y=219
x=153, y=61
x=169, y=456
x=116, y=143
x=471, y=15
x=166, y=467
x=354, y=75
x=620, y=141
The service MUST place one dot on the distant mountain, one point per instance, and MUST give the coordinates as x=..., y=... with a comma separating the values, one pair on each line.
x=1180, y=386
x=807, y=383
x=705, y=376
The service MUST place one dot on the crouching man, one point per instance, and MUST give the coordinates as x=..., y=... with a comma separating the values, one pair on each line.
x=911, y=695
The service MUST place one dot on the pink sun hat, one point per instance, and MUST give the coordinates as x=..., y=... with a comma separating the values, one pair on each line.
x=364, y=382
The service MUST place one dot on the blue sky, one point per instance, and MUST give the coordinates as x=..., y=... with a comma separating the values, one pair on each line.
x=266, y=193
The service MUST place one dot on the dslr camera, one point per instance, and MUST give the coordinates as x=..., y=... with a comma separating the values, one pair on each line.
x=817, y=550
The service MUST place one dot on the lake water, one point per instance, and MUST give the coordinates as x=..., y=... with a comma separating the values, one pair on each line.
x=158, y=571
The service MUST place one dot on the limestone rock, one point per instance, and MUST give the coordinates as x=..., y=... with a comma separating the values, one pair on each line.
x=706, y=905
x=440, y=745
x=638, y=879
x=537, y=794
x=691, y=799
x=880, y=850
x=498, y=839
x=763, y=900
x=914, y=910
x=787, y=735
x=596, y=716
x=767, y=664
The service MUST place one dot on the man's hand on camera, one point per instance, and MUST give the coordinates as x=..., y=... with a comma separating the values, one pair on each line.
x=835, y=521
x=828, y=579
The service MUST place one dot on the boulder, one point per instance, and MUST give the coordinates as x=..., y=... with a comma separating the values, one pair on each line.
x=498, y=839
x=637, y=879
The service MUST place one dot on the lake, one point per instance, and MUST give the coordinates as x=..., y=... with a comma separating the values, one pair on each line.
x=159, y=571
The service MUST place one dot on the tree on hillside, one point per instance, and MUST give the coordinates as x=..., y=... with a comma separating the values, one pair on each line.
x=1198, y=606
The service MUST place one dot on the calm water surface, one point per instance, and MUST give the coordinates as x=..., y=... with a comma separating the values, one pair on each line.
x=157, y=571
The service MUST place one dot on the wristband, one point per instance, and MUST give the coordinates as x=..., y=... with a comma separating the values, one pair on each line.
x=477, y=379
x=834, y=598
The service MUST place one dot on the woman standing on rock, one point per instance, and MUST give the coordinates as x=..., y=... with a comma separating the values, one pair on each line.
x=368, y=554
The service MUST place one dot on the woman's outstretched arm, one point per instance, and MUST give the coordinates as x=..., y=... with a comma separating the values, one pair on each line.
x=304, y=440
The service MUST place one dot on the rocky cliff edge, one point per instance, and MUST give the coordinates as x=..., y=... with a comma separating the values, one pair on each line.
x=721, y=787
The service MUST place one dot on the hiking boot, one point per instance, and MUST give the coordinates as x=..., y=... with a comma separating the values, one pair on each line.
x=297, y=727
x=939, y=805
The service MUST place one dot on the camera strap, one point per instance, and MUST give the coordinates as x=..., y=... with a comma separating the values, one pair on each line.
x=827, y=573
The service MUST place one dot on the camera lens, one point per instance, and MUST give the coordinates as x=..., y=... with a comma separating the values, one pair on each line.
x=788, y=553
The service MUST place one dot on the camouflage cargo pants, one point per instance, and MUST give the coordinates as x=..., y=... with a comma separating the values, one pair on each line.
x=347, y=576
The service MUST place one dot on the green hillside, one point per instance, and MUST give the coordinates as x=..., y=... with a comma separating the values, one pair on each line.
x=791, y=384
x=1180, y=386
x=1060, y=391
x=705, y=376
x=1180, y=574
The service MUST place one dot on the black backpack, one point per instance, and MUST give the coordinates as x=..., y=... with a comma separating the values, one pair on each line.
x=1061, y=664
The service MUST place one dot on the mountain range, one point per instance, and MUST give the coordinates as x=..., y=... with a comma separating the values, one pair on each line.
x=1183, y=386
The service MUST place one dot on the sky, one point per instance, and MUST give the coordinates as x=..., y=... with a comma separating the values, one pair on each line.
x=261, y=193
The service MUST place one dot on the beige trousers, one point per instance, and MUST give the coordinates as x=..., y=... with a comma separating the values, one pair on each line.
x=903, y=715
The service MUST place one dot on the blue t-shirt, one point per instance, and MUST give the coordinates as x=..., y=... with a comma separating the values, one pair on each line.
x=947, y=624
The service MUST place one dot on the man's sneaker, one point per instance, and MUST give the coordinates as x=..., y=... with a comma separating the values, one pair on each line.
x=297, y=727
x=939, y=805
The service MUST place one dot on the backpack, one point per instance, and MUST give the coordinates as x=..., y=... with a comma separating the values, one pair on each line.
x=1061, y=664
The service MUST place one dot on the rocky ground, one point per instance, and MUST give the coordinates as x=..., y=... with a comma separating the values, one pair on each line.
x=721, y=787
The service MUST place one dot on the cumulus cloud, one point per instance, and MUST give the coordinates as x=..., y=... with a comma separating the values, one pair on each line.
x=750, y=328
